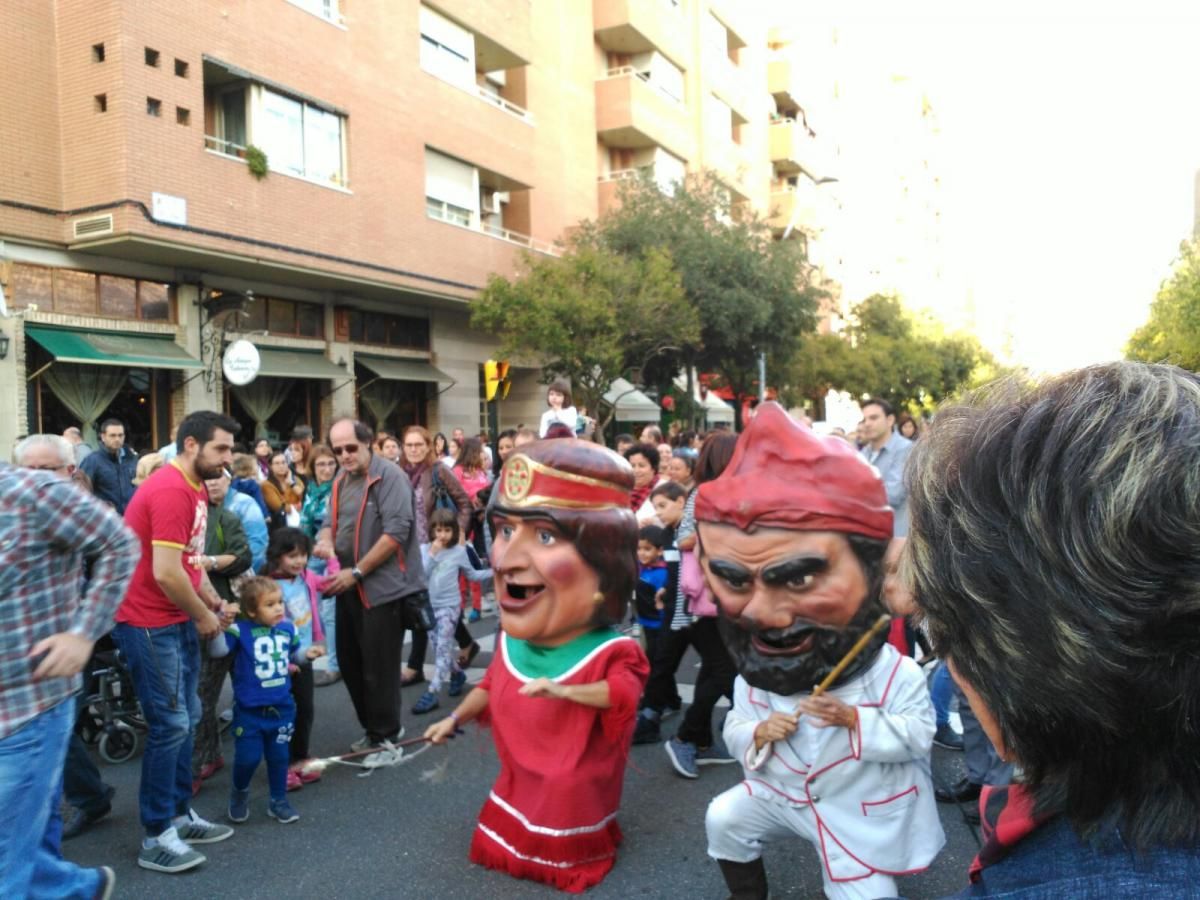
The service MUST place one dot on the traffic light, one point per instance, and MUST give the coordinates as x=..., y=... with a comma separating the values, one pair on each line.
x=505, y=381
x=495, y=379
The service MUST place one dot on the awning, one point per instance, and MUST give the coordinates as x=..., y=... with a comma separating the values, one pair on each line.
x=715, y=409
x=105, y=348
x=277, y=362
x=389, y=368
x=632, y=405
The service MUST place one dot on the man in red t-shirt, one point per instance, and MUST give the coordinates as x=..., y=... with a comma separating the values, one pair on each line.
x=169, y=606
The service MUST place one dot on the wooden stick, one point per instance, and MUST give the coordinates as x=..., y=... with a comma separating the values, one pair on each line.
x=859, y=646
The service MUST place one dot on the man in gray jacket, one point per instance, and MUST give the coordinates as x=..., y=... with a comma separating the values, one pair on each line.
x=371, y=532
x=887, y=450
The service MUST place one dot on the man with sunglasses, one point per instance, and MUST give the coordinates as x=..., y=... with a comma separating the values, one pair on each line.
x=371, y=530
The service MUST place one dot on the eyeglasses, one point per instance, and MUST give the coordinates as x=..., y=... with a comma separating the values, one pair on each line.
x=49, y=468
x=346, y=450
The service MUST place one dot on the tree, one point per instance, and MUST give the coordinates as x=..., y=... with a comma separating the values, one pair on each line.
x=589, y=316
x=887, y=353
x=1172, y=333
x=750, y=292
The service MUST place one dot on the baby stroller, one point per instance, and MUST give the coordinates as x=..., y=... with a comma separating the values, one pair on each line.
x=110, y=716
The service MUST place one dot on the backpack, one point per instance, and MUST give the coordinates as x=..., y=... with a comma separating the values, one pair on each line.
x=441, y=495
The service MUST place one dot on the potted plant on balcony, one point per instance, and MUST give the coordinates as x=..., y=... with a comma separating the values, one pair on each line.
x=256, y=161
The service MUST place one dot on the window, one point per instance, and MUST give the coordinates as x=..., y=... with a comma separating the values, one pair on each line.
x=300, y=139
x=100, y=103
x=404, y=332
x=97, y=53
x=326, y=9
x=451, y=189
x=447, y=49
x=661, y=74
x=181, y=69
x=182, y=116
x=715, y=38
x=89, y=294
x=230, y=120
x=289, y=318
x=152, y=57
x=153, y=107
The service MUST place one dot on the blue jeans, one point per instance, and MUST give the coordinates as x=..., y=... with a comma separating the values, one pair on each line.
x=939, y=693
x=328, y=611
x=165, y=666
x=31, y=767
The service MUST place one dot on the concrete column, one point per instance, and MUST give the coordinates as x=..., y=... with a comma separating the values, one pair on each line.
x=197, y=394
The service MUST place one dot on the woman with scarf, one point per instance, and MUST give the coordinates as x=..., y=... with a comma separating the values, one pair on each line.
x=644, y=458
x=314, y=515
x=420, y=463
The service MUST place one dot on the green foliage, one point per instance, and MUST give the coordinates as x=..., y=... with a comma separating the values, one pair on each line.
x=256, y=161
x=1172, y=333
x=749, y=291
x=886, y=353
x=590, y=316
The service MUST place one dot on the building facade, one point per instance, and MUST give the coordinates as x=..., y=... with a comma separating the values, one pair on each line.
x=333, y=180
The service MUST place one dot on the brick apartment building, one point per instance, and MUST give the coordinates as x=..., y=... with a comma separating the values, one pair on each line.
x=413, y=148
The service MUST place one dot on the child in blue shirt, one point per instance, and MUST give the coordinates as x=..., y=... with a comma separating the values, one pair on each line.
x=287, y=564
x=265, y=647
x=651, y=585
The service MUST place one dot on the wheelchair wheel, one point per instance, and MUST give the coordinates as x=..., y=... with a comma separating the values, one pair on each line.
x=119, y=743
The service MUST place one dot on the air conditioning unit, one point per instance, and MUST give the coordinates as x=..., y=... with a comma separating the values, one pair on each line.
x=93, y=226
x=492, y=202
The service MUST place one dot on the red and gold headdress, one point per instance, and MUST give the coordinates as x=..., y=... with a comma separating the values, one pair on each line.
x=564, y=474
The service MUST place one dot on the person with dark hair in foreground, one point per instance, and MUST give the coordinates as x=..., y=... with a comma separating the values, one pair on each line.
x=1053, y=557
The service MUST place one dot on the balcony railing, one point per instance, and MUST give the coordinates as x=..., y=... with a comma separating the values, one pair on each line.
x=508, y=106
x=224, y=147
x=453, y=215
x=621, y=71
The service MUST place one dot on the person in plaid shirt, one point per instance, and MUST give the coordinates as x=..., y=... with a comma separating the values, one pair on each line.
x=49, y=619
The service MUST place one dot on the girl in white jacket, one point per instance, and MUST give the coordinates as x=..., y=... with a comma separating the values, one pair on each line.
x=558, y=398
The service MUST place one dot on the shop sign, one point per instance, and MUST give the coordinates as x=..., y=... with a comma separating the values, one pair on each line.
x=240, y=363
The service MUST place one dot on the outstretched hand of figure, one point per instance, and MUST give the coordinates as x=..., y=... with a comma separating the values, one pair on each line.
x=544, y=687
x=440, y=732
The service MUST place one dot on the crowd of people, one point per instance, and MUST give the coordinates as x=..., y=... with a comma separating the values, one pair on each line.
x=1050, y=528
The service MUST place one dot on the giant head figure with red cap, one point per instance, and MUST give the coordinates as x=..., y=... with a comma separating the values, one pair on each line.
x=791, y=540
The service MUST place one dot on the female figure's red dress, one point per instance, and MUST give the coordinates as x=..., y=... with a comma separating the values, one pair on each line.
x=551, y=815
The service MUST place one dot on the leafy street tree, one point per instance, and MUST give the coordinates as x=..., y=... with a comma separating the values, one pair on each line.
x=590, y=316
x=1172, y=333
x=750, y=292
x=886, y=353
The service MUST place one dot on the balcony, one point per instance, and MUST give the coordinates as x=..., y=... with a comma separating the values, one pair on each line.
x=734, y=170
x=795, y=207
x=729, y=83
x=782, y=83
x=632, y=113
x=503, y=31
x=453, y=215
x=738, y=25
x=638, y=26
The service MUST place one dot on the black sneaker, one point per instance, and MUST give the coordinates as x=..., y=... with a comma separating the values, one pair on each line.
x=947, y=738
x=646, y=731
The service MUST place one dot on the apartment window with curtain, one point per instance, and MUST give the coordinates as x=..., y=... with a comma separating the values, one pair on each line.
x=447, y=49
x=301, y=139
x=451, y=189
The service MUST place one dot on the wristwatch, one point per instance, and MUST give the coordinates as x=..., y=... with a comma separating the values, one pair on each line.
x=357, y=573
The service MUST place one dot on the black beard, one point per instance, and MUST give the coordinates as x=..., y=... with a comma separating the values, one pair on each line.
x=787, y=675
x=205, y=474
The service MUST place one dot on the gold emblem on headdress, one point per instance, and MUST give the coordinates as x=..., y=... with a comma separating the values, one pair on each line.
x=518, y=479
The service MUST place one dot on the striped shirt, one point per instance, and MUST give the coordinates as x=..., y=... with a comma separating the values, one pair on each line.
x=49, y=528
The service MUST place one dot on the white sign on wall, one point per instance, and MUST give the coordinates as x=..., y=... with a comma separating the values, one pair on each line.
x=166, y=208
x=240, y=363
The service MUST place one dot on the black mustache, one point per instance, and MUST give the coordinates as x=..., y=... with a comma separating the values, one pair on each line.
x=781, y=635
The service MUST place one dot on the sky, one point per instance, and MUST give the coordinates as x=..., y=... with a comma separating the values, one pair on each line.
x=1065, y=138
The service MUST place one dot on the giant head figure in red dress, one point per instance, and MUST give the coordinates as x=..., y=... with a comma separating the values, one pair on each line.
x=791, y=541
x=565, y=541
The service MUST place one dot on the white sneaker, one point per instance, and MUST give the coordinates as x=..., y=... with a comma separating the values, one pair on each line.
x=388, y=755
x=167, y=853
x=365, y=743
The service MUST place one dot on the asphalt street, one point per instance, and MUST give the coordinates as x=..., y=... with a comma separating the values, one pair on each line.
x=405, y=831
